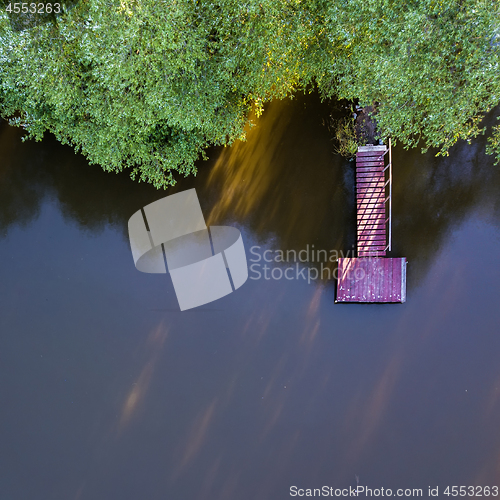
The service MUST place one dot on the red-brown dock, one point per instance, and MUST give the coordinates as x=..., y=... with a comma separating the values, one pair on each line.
x=372, y=277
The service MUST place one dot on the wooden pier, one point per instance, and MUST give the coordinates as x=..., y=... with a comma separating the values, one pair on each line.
x=372, y=277
x=370, y=201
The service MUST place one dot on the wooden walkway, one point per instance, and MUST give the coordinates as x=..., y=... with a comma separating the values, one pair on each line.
x=370, y=200
x=372, y=277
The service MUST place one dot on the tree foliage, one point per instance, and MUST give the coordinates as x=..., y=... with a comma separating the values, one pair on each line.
x=149, y=85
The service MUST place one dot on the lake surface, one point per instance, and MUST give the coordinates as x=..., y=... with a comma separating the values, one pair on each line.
x=108, y=391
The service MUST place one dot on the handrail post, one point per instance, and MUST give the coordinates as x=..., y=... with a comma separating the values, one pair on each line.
x=390, y=195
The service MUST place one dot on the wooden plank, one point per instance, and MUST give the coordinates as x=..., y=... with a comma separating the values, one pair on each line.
x=354, y=285
x=362, y=152
x=388, y=281
x=369, y=193
x=379, y=167
x=371, y=255
x=376, y=244
x=367, y=228
x=370, y=163
x=376, y=183
x=370, y=219
x=381, y=221
x=378, y=175
x=367, y=188
x=377, y=186
x=372, y=246
x=370, y=200
x=367, y=202
x=366, y=238
x=371, y=153
x=370, y=178
x=370, y=157
x=365, y=206
x=390, y=277
x=371, y=233
x=371, y=237
x=375, y=173
x=379, y=202
x=370, y=213
x=396, y=282
x=371, y=147
x=367, y=184
x=403, y=279
x=372, y=230
x=378, y=180
x=374, y=161
x=364, y=173
x=372, y=278
x=382, y=280
x=370, y=169
x=366, y=225
x=372, y=209
x=377, y=198
x=367, y=234
x=372, y=242
x=365, y=215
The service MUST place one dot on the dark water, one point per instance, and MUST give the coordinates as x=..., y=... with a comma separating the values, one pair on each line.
x=110, y=392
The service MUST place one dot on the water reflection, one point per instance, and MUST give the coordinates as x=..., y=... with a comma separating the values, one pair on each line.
x=283, y=184
x=135, y=398
x=196, y=437
x=433, y=195
x=274, y=386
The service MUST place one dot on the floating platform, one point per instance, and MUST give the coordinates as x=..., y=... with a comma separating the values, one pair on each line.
x=371, y=280
x=371, y=277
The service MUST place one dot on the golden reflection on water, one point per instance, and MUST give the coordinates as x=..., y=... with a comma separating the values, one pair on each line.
x=369, y=414
x=136, y=395
x=244, y=170
x=283, y=181
x=196, y=437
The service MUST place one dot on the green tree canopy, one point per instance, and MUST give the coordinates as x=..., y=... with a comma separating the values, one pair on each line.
x=148, y=85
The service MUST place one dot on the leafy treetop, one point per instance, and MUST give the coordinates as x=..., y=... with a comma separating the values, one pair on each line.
x=149, y=85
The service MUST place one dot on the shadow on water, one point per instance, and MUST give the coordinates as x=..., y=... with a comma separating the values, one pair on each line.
x=434, y=195
x=283, y=184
